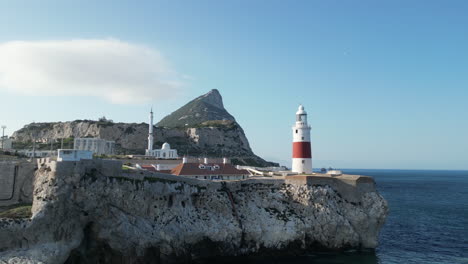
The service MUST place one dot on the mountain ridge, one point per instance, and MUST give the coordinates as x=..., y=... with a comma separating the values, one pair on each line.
x=212, y=135
x=207, y=107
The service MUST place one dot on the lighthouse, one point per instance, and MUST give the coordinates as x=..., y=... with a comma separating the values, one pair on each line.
x=302, y=154
x=149, y=150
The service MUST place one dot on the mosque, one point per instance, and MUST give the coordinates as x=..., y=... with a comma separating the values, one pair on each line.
x=165, y=152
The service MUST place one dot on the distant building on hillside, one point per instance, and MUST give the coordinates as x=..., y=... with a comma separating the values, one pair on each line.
x=5, y=143
x=95, y=145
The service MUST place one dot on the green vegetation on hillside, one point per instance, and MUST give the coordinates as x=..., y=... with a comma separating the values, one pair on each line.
x=18, y=211
x=226, y=124
x=196, y=112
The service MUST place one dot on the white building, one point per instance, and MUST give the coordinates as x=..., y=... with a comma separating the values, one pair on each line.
x=165, y=152
x=74, y=155
x=97, y=146
x=302, y=151
x=5, y=143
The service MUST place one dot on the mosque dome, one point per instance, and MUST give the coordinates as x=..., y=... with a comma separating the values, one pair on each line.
x=166, y=146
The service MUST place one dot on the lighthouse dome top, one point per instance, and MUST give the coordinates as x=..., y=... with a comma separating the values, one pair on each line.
x=301, y=111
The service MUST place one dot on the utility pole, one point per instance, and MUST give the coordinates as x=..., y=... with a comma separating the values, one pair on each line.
x=3, y=137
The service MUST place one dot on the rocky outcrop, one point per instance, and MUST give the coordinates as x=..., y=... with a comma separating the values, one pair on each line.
x=210, y=131
x=91, y=212
x=208, y=107
x=225, y=140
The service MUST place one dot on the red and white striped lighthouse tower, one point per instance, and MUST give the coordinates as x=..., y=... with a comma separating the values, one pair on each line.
x=302, y=154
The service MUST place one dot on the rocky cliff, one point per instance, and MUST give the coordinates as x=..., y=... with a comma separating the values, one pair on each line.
x=210, y=131
x=203, y=108
x=91, y=212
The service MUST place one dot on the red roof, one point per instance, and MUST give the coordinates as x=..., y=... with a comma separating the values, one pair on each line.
x=148, y=167
x=207, y=169
x=152, y=168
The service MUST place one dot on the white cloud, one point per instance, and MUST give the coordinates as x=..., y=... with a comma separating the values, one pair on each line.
x=111, y=69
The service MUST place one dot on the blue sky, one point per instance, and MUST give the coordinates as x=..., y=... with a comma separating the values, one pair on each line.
x=385, y=83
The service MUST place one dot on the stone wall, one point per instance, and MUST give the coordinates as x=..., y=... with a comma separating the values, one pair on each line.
x=16, y=182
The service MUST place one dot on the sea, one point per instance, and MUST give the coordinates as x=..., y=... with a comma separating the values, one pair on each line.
x=427, y=221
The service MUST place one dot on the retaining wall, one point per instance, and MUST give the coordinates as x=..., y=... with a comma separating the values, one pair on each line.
x=16, y=182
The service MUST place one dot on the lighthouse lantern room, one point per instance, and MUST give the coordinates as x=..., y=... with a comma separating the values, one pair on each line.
x=302, y=154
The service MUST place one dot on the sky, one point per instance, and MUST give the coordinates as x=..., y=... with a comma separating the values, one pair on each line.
x=385, y=83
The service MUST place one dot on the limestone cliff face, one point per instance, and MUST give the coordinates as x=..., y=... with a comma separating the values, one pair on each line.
x=90, y=212
x=201, y=127
x=213, y=139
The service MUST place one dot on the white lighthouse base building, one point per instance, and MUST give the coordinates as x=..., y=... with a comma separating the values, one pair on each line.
x=302, y=166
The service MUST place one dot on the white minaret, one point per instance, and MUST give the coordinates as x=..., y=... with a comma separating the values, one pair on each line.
x=302, y=154
x=150, y=134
